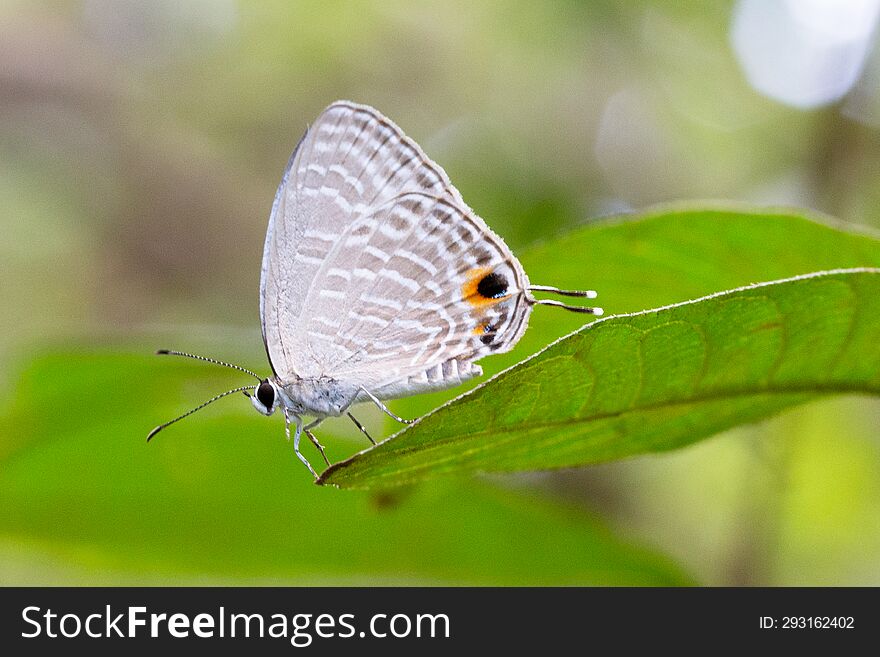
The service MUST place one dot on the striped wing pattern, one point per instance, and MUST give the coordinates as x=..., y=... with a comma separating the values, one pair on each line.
x=375, y=272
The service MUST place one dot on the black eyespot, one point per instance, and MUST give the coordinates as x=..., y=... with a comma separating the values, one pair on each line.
x=489, y=333
x=266, y=394
x=492, y=286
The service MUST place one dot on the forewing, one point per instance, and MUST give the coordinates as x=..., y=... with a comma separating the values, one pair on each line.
x=350, y=162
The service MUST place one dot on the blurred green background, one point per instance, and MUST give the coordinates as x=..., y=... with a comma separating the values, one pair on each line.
x=140, y=147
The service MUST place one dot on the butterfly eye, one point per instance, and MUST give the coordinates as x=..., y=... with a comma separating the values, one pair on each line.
x=266, y=394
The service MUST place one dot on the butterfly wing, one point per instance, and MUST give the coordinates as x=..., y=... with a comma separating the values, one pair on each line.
x=375, y=272
x=351, y=160
x=431, y=289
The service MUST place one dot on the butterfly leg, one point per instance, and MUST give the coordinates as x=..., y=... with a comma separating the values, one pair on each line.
x=314, y=440
x=361, y=427
x=296, y=436
x=384, y=408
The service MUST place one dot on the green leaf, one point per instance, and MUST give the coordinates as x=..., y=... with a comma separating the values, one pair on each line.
x=648, y=382
x=221, y=499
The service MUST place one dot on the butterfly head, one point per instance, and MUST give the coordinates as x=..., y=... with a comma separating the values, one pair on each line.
x=265, y=399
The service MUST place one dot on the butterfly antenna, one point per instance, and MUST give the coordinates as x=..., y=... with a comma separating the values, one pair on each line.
x=169, y=352
x=588, y=294
x=584, y=294
x=565, y=306
x=198, y=408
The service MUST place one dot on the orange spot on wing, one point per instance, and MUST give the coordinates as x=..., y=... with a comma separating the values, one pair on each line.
x=469, y=290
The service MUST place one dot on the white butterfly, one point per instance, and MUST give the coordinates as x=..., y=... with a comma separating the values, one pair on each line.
x=378, y=281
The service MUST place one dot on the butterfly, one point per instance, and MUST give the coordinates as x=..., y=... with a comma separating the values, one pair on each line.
x=378, y=281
